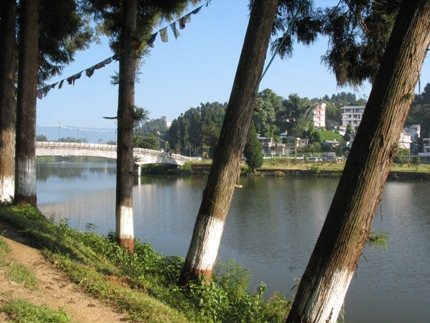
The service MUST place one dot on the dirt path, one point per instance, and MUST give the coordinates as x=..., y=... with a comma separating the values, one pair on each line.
x=54, y=289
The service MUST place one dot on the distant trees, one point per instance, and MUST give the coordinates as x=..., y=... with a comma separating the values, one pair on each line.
x=420, y=112
x=196, y=131
x=268, y=106
x=64, y=139
x=253, y=151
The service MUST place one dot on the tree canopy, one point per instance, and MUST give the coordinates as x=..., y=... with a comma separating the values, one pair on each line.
x=357, y=30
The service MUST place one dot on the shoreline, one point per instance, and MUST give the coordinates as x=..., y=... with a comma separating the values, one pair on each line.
x=314, y=171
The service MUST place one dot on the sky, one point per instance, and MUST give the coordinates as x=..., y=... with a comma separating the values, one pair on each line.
x=197, y=67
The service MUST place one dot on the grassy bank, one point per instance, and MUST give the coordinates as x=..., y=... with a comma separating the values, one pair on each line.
x=144, y=285
x=292, y=167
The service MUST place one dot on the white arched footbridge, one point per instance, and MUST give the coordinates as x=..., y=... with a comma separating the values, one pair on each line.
x=142, y=155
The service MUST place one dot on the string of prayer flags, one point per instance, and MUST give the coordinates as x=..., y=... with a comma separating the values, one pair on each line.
x=42, y=92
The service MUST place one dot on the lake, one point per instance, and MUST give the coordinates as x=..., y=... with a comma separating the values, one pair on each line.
x=271, y=230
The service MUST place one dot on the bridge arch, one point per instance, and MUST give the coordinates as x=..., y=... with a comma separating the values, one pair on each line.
x=142, y=155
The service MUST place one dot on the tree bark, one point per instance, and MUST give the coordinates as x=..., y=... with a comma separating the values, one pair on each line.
x=124, y=177
x=8, y=50
x=217, y=196
x=344, y=234
x=25, y=180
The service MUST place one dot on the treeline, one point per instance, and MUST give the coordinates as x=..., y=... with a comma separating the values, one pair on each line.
x=420, y=112
x=195, y=132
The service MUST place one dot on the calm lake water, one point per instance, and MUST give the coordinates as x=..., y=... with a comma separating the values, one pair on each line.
x=271, y=230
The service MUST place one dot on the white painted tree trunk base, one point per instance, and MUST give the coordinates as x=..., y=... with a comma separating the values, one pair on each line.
x=7, y=189
x=211, y=238
x=26, y=177
x=333, y=298
x=125, y=229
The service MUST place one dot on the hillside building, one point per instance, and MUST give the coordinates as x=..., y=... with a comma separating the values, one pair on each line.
x=352, y=115
x=318, y=115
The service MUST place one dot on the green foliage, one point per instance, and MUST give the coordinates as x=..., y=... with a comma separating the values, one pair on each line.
x=140, y=116
x=233, y=278
x=72, y=139
x=402, y=156
x=186, y=169
x=315, y=169
x=154, y=127
x=22, y=311
x=143, y=283
x=268, y=103
x=4, y=250
x=108, y=15
x=313, y=147
x=325, y=135
x=64, y=30
x=149, y=142
x=420, y=111
x=378, y=239
x=415, y=160
x=358, y=32
x=253, y=151
x=41, y=138
x=20, y=274
x=196, y=131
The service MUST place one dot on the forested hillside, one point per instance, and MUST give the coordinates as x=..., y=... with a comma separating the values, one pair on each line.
x=195, y=132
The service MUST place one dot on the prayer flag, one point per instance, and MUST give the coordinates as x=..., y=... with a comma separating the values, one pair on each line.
x=176, y=32
x=163, y=35
x=184, y=20
x=90, y=71
x=196, y=11
x=151, y=40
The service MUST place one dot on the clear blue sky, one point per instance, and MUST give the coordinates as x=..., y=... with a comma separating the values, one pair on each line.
x=197, y=67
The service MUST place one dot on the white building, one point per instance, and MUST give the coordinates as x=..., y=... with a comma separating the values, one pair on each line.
x=270, y=147
x=318, y=115
x=415, y=131
x=352, y=115
x=405, y=140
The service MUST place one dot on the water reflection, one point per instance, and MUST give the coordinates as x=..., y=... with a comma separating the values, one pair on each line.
x=271, y=229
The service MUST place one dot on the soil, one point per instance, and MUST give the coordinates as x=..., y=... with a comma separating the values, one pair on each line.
x=53, y=289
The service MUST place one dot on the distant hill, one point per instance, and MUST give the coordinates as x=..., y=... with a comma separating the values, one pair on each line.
x=91, y=135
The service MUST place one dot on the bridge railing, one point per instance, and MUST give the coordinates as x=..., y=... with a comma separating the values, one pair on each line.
x=74, y=145
x=106, y=147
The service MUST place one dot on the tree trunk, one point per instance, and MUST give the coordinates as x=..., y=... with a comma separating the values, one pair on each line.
x=124, y=177
x=344, y=234
x=25, y=181
x=7, y=99
x=219, y=190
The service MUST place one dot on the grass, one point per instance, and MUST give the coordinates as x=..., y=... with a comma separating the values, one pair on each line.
x=20, y=274
x=22, y=311
x=144, y=284
x=4, y=250
x=14, y=271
